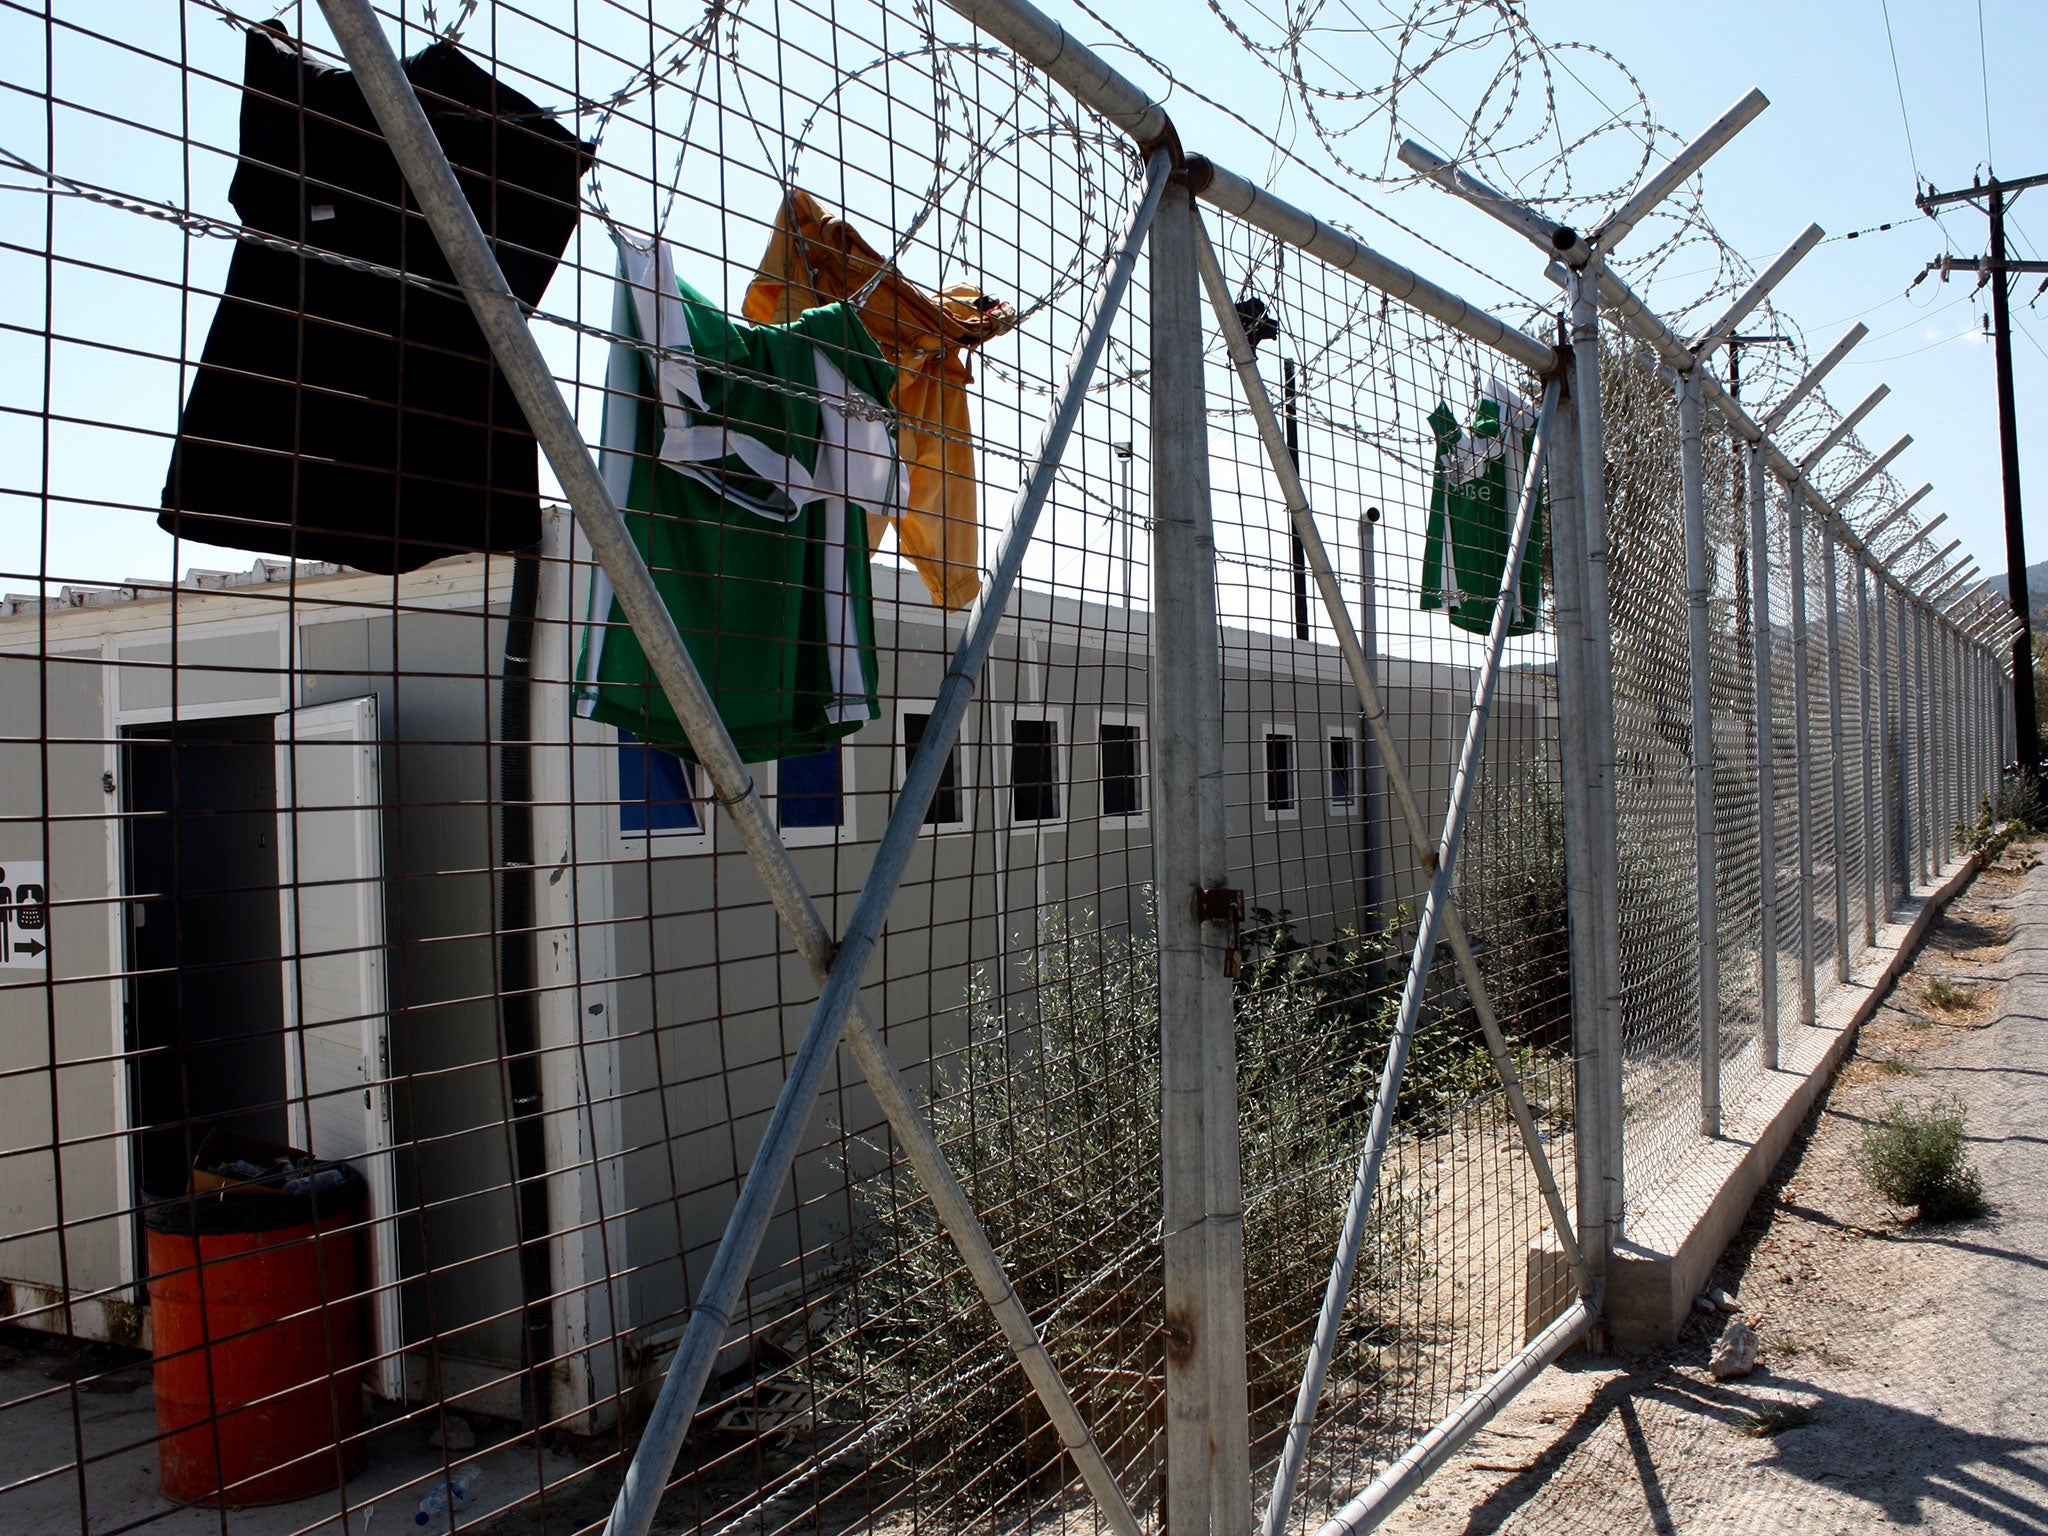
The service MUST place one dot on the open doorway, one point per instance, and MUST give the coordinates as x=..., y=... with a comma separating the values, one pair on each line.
x=205, y=997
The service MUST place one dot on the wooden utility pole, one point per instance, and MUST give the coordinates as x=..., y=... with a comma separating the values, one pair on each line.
x=1998, y=269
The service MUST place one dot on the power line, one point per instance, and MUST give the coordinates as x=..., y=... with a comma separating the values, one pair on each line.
x=1984, y=79
x=1899, y=82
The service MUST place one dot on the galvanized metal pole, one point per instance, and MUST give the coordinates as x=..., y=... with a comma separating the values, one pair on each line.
x=1974, y=723
x=1923, y=785
x=1953, y=730
x=1802, y=729
x=1372, y=802
x=1414, y=1466
x=1600, y=848
x=1583, y=901
x=1965, y=720
x=1973, y=698
x=1762, y=648
x=1881, y=813
x=1937, y=788
x=1986, y=764
x=1867, y=752
x=1930, y=739
x=1944, y=738
x=1913, y=853
x=1987, y=773
x=1987, y=702
x=1836, y=772
x=1692, y=489
x=1202, y=1285
x=1952, y=693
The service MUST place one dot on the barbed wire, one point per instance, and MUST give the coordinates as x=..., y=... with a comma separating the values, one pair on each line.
x=1543, y=119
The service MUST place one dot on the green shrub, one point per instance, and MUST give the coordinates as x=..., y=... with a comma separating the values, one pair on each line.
x=1514, y=892
x=1774, y=1419
x=1919, y=1157
x=2009, y=817
x=1949, y=996
x=1052, y=1121
x=2019, y=799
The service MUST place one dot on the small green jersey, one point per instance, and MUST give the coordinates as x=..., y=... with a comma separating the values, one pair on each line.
x=1479, y=473
x=746, y=459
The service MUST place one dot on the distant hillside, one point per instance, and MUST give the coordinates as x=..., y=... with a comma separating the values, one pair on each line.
x=2037, y=591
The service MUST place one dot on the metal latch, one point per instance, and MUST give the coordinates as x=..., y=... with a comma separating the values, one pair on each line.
x=1222, y=904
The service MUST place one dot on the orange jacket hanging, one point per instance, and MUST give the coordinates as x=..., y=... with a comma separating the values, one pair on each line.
x=817, y=258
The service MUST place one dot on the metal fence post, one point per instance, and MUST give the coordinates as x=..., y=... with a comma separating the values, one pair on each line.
x=1979, y=719
x=1598, y=846
x=1932, y=742
x=1958, y=731
x=1937, y=849
x=1761, y=644
x=1867, y=756
x=1374, y=824
x=1881, y=809
x=1922, y=786
x=1944, y=740
x=1903, y=822
x=1948, y=736
x=1836, y=774
x=1802, y=710
x=1994, y=748
x=1973, y=678
x=1208, y=1456
x=1708, y=947
x=1987, y=703
x=1585, y=903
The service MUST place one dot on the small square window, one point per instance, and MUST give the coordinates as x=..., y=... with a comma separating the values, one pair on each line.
x=1280, y=800
x=1034, y=769
x=948, y=808
x=1123, y=768
x=807, y=791
x=656, y=791
x=1343, y=774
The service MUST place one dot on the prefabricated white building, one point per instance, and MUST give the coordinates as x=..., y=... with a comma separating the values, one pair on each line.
x=266, y=804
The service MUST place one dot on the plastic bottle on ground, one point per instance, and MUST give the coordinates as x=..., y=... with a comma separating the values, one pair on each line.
x=457, y=1492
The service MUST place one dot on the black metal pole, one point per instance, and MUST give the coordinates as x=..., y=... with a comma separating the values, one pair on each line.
x=1300, y=555
x=2027, y=728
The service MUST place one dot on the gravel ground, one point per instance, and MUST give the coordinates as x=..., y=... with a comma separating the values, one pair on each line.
x=1904, y=1378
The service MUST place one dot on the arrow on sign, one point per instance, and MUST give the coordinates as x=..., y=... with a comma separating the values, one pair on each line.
x=30, y=948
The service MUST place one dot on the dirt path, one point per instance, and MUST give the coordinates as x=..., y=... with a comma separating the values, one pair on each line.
x=1909, y=1362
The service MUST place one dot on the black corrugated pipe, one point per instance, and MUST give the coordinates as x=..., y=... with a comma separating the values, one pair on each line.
x=518, y=1009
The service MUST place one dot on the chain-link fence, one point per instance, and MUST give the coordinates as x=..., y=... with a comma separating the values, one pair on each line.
x=917, y=814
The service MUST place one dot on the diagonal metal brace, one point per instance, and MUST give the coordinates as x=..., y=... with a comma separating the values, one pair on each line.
x=1439, y=908
x=504, y=326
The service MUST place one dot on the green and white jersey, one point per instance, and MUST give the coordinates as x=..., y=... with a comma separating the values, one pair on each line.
x=1478, y=482
x=746, y=481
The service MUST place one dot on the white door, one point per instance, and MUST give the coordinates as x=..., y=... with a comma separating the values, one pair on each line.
x=330, y=855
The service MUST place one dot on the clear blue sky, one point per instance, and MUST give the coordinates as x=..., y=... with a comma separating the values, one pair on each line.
x=1832, y=148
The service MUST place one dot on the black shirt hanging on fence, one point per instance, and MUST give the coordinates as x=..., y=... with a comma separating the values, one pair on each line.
x=347, y=415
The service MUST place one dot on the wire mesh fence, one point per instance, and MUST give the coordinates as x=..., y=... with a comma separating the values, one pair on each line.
x=1374, y=398
x=395, y=1003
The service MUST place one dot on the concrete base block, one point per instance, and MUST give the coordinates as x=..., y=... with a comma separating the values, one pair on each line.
x=1679, y=1228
